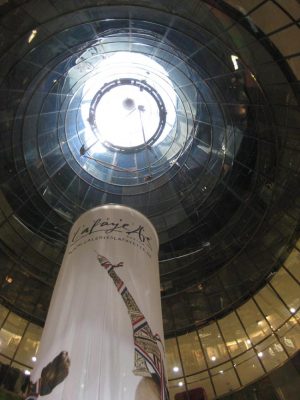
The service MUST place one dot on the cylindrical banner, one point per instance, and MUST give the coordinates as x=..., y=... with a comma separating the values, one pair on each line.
x=103, y=337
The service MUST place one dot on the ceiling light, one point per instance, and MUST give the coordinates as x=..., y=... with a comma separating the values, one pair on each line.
x=260, y=354
x=234, y=61
x=32, y=35
x=27, y=372
x=175, y=369
x=180, y=383
x=213, y=358
x=9, y=279
x=221, y=372
x=292, y=310
x=33, y=358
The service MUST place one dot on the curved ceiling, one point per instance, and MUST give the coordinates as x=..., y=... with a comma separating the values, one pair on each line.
x=158, y=107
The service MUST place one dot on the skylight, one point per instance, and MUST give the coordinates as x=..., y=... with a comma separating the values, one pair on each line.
x=128, y=102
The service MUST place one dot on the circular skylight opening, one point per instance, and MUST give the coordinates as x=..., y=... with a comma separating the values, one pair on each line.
x=127, y=114
x=128, y=103
x=130, y=112
x=127, y=117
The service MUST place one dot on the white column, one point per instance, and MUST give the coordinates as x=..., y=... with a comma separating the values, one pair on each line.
x=103, y=335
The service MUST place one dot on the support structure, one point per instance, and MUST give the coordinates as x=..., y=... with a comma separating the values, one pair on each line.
x=103, y=334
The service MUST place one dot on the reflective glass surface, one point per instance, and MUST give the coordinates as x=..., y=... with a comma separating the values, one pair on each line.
x=209, y=152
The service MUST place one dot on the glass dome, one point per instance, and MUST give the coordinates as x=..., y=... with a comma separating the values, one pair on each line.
x=187, y=113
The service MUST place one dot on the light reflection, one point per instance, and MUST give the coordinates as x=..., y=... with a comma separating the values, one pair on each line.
x=32, y=35
x=234, y=61
x=9, y=279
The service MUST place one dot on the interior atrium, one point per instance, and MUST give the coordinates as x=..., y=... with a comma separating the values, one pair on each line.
x=187, y=111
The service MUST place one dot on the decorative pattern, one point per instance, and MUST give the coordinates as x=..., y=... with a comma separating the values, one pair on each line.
x=146, y=349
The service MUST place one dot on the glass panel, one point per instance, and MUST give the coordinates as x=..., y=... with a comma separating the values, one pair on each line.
x=29, y=345
x=176, y=386
x=19, y=372
x=174, y=368
x=273, y=308
x=13, y=379
x=287, y=288
x=11, y=334
x=224, y=378
x=289, y=335
x=287, y=40
x=261, y=17
x=191, y=353
x=3, y=313
x=234, y=334
x=271, y=353
x=254, y=322
x=248, y=367
x=4, y=360
x=213, y=345
x=201, y=381
x=292, y=6
x=292, y=263
x=244, y=5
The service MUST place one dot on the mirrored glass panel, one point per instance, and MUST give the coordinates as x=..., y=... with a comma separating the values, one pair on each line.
x=287, y=288
x=174, y=368
x=271, y=353
x=224, y=378
x=292, y=263
x=248, y=367
x=254, y=323
x=289, y=336
x=273, y=308
x=234, y=334
x=29, y=345
x=191, y=353
x=213, y=344
x=11, y=334
x=201, y=381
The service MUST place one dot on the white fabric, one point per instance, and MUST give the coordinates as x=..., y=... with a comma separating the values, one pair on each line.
x=88, y=318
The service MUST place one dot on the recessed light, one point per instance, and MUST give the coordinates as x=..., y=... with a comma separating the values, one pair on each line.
x=175, y=369
x=32, y=35
x=9, y=279
x=260, y=354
